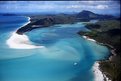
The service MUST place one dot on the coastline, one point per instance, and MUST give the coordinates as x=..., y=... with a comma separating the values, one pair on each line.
x=107, y=33
x=24, y=24
x=86, y=37
x=18, y=41
x=98, y=73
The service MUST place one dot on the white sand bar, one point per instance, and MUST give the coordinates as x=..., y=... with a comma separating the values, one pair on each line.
x=17, y=41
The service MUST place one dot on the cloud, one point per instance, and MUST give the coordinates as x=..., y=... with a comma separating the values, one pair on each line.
x=59, y=6
x=102, y=6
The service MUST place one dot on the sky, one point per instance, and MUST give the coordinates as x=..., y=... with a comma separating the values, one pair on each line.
x=100, y=7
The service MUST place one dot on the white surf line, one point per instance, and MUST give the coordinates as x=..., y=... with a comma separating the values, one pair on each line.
x=99, y=76
x=17, y=41
x=86, y=37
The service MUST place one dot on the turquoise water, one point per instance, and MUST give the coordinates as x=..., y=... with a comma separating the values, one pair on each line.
x=66, y=56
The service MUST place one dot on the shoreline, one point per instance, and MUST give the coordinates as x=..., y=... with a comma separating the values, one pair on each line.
x=86, y=37
x=18, y=41
x=23, y=24
x=99, y=74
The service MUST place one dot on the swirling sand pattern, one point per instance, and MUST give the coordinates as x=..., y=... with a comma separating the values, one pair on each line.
x=65, y=57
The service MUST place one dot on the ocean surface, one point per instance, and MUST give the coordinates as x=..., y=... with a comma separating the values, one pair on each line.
x=63, y=54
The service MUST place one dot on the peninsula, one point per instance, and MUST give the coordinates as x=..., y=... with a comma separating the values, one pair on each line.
x=40, y=21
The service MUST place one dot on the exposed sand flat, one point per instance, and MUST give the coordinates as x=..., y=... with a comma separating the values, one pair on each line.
x=17, y=41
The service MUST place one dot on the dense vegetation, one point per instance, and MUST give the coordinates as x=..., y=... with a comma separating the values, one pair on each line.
x=38, y=21
x=108, y=32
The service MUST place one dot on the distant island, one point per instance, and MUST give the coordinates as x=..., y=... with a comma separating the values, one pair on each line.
x=8, y=14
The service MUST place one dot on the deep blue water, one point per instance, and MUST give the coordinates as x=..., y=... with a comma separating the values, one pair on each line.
x=66, y=56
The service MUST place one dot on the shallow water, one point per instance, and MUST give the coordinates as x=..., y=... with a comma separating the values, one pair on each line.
x=66, y=56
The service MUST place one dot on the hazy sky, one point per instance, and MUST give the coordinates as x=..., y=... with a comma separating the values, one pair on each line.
x=102, y=7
